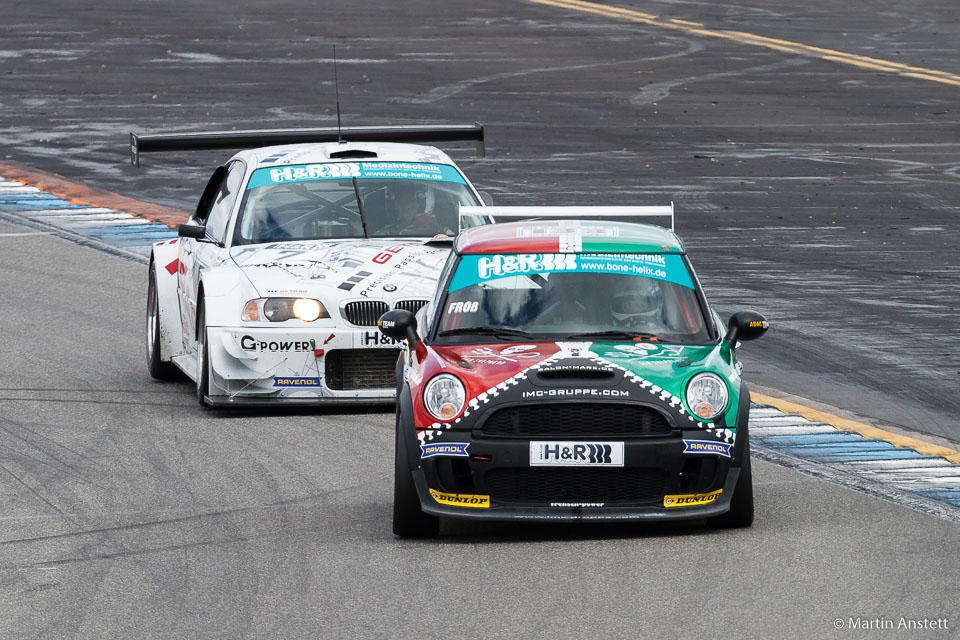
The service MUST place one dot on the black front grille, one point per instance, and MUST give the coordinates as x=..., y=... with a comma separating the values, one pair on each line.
x=620, y=484
x=364, y=313
x=361, y=369
x=576, y=419
x=411, y=305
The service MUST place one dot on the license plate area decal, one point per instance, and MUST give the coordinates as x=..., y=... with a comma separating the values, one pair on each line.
x=575, y=453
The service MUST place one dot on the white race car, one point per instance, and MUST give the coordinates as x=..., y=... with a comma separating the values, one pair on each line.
x=272, y=291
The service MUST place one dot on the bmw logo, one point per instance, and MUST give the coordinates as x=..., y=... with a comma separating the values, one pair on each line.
x=389, y=287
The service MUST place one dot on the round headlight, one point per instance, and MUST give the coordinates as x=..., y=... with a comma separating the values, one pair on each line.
x=306, y=309
x=444, y=397
x=706, y=395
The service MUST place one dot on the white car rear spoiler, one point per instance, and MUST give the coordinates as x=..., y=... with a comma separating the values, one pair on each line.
x=661, y=211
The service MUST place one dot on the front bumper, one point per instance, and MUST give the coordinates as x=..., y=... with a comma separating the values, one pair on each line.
x=657, y=467
x=328, y=365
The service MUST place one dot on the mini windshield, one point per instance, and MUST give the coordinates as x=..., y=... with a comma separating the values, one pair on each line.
x=352, y=200
x=572, y=296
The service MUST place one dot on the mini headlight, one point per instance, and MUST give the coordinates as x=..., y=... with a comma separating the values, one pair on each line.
x=444, y=397
x=281, y=309
x=706, y=395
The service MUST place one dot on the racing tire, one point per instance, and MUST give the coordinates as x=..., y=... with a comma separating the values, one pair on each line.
x=409, y=520
x=741, y=505
x=159, y=370
x=203, y=359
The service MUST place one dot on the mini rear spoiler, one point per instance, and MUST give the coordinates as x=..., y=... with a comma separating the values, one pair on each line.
x=662, y=211
x=250, y=139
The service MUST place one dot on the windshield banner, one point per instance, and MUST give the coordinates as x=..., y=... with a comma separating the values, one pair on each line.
x=475, y=269
x=360, y=170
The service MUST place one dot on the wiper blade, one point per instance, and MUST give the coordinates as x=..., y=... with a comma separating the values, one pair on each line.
x=485, y=331
x=614, y=333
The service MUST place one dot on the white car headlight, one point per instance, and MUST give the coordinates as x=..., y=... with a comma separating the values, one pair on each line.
x=706, y=395
x=444, y=397
x=282, y=309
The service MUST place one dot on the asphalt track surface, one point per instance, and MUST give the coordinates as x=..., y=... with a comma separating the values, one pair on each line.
x=818, y=191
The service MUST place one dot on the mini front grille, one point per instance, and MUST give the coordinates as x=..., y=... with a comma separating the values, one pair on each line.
x=361, y=369
x=621, y=484
x=364, y=313
x=576, y=419
x=411, y=305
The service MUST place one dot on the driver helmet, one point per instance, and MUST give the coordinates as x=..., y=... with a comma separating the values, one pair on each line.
x=638, y=303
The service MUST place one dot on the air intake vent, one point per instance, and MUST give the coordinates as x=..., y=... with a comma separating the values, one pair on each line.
x=364, y=313
x=361, y=369
x=575, y=373
x=576, y=419
x=352, y=153
x=411, y=305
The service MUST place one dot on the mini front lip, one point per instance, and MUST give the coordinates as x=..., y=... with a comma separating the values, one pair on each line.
x=580, y=514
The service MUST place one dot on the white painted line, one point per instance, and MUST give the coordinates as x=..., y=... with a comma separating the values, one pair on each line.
x=922, y=472
x=784, y=420
x=110, y=222
x=915, y=463
x=71, y=211
x=11, y=183
x=25, y=233
x=767, y=432
x=20, y=188
x=921, y=484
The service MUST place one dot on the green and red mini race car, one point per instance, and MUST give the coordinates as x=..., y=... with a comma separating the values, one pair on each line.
x=570, y=370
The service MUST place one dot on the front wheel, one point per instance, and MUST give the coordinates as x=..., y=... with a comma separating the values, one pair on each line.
x=409, y=520
x=203, y=360
x=159, y=370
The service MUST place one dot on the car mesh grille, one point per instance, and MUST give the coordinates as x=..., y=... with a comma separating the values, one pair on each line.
x=622, y=484
x=360, y=369
x=364, y=313
x=576, y=419
x=411, y=305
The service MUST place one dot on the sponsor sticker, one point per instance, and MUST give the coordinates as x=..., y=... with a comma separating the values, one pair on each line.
x=707, y=446
x=359, y=170
x=458, y=449
x=460, y=499
x=476, y=269
x=296, y=382
x=576, y=504
x=249, y=343
x=691, y=499
x=577, y=393
x=568, y=453
x=374, y=338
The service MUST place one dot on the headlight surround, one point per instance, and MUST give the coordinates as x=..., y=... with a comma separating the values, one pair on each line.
x=706, y=395
x=444, y=397
x=282, y=309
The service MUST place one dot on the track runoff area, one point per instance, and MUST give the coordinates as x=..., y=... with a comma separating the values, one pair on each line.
x=895, y=467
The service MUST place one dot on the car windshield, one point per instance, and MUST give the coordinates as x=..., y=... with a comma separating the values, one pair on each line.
x=572, y=296
x=352, y=200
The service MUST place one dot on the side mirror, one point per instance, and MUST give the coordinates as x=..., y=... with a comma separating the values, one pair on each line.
x=399, y=324
x=745, y=325
x=195, y=231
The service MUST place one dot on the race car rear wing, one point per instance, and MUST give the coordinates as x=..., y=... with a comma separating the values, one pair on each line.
x=605, y=213
x=250, y=139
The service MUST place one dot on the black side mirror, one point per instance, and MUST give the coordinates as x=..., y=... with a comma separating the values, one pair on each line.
x=745, y=325
x=195, y=231
x=399, y=324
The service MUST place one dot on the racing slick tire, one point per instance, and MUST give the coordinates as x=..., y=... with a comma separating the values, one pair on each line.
x=409, y=520
x=159, y=370
x=203, y=359
x=740, y=514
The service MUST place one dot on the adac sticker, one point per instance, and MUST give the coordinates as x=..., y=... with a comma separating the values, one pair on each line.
x=474, y=269
x=460, y=499
x=444, y=449
x=707, y=446
x=360, y=170
x=296, y=382
x=691, y=499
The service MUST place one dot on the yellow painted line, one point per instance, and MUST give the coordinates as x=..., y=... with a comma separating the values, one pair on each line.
x=686, y=22
x=863, y=62
x=867, y=431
